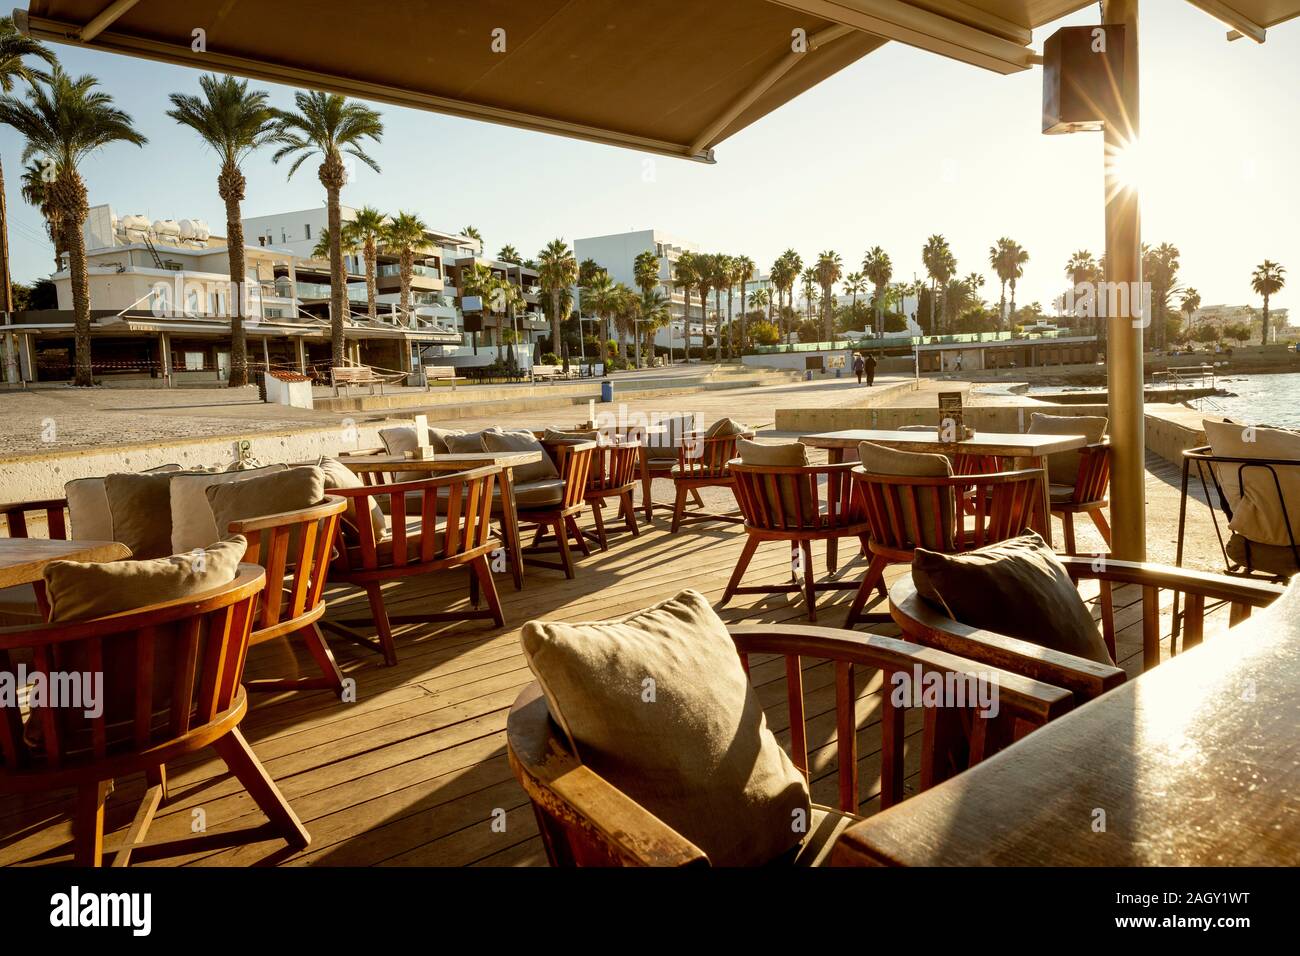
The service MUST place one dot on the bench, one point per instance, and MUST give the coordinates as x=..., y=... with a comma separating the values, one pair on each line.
x=346, y=375
x=546, y=373
x=441, y=373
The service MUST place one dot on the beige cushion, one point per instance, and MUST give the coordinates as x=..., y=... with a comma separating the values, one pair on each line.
x=466, y=444
x=193, y=525
x=784, y=455
x=558, y=435
x=1016, y=587
x=1060, y=494
x=265, y=495
x=18, y=606
x=699, y=755
x=663, y=446
x=725, y=428
x=401, y=439
x=1252, y=494
x=1273, y=558
x=825, y=826
x=533, y=494
x=1063, y=467
x=339, y=475
x=414, y=542
x=80, y=591
x=937, y=525
x=88, y=510
x=520, y=440
x=140, y=508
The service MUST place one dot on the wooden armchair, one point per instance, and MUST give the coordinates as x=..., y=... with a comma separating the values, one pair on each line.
x=1087, y=496
x=704, y=463
x=585, y=821
x=26, y=603
x=574, y=460
x=798, y=505
x=907, y=512
x=1085, y=679
x=171, y=687
x=659, y=454
x=613, y=474
x=424, y=543
x=294, y=548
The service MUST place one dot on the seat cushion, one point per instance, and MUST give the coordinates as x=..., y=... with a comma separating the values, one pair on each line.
x=725, y=428
x=338, y=475
x=1251, y=490
x=1063, y=467
x=18, y=606
x=414, y=542
x=193, y=525
x=825, y=826
x=400, y=439
x=936, y=524
x=80, y=590
x=466, y=444
x=533, y=494
x=1016, y=587
x=90, y=515
x=1272, y=558
x=1061, y=494
x=276, y=493
x=140, y=508
x=521, y=440
x=658, y=704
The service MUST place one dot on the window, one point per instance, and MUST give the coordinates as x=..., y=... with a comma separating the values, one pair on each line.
x=193, y=361
x=307, y=229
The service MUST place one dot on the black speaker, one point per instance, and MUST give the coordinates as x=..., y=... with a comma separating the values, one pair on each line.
x=1082, y=70
x=473, y=323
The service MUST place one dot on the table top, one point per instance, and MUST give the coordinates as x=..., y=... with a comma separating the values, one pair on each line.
x=984, y=443
x=457, y=461
x=1195, y=763
x=22, y=560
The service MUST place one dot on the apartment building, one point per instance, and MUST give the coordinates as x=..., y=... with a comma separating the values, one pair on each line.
x=1252, y=317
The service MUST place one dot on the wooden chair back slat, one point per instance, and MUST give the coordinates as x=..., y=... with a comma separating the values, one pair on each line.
x=18, y=515
x=794, y=698
x=397, y=521
x=793, y=498
x=846, y=734
x=183, y=677
x=146, y=642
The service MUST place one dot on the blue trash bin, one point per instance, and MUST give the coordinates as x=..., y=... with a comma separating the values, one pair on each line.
x=839, y=372
x=807, y=376
x=606, y=391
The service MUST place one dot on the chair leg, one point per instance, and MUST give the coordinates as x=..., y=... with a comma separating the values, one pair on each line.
x=629, y=514
x=324, y=657
x=874, y=579
x=248, y=770
x=746, y=555
x=482, y=573
x=566, y=559
x=678, y=507
x=474, y=597
x=157, y=777
x=695, y=496
x=382, y=627
x=647, y=503
x=832, y=554
x=809, y=579
x=1067, y=528
x=571, y=523
x=88, y=823
x=1102, y=524
x=598, y=512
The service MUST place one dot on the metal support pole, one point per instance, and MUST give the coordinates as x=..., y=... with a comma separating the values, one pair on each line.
x=1124, y=270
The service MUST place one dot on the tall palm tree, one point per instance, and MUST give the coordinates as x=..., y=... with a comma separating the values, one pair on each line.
x=705, y=267
x=935, y=256
x=347, y=241
x=1160, y=271
x=478, y=281
x=626, y=316
x=685, y=273
x=645, y=273
x=473, y=233
x=64, y=120
x=603, y=297
x=1011, y=266
x=722, y=265
x=742, y=274
x=1191, y=301
x=403, y=234
x=855, y=283
x=829, y=268
x=1000, y=262
x=1267, y=280
x=878, y=270
x=558, y=271
x=778, y=273
x=36, y=191
x=762, y=299
x=15, y=48
x=809, y=279
x=793, y=270
x=510, y=254
x=1082, y=270
x=656, y=312
x=234, y=121
x=329, y=125
x=367, y=229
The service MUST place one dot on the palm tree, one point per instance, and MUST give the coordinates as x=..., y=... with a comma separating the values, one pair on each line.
x=1267, y=280
x=403, y=234
x=65, y=119
x=855, y=283
x=348, y=241
x=1160, y=271
x=1191, y=301
x=558, y=271
x=330, y=125
x=829, y=268
x=1082, y=270
x=367, y=230
x=936, y=257
x=478, y=281
x=472, y=233
x=722, y=266
x=742, y=274
x=878, y=270
x=1000, y=261
x=15, y=48
x=603, y=297
x=656, y=312
x=1015, y=258
x=626, y=316
x=645, y=273
x=510, y=254
x=793, y=270
x=36, y=191
x=809, y=279
x=762, y=299
x=234, y=121
x=705, y=267
x=685, y=274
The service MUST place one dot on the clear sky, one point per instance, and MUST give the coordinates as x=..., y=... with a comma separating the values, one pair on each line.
x=896, y=147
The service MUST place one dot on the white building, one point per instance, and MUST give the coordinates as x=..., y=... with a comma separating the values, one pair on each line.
x=1221, y=316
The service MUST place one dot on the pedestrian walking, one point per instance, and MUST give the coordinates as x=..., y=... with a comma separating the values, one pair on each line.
x=859, y=366
x=870, y=365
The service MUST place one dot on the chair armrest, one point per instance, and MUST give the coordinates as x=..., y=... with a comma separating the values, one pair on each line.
x=1217, y=587
x=356, y=452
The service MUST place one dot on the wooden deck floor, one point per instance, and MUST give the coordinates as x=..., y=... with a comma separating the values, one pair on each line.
x=414, y=772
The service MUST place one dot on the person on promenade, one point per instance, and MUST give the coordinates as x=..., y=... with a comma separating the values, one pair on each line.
x=870, y=365
x=859, y=366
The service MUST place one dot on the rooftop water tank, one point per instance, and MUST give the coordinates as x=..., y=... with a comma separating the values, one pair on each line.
x=166, y=227
x=135, y=223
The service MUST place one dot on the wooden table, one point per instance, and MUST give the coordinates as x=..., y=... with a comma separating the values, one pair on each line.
x=1036, y=448
x=371, y=465
x=23, y=560
x=1195, y=763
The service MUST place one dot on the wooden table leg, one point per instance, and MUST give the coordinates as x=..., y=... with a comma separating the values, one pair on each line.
x=835, y=456
x=1045, y=511
x=510, y=522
